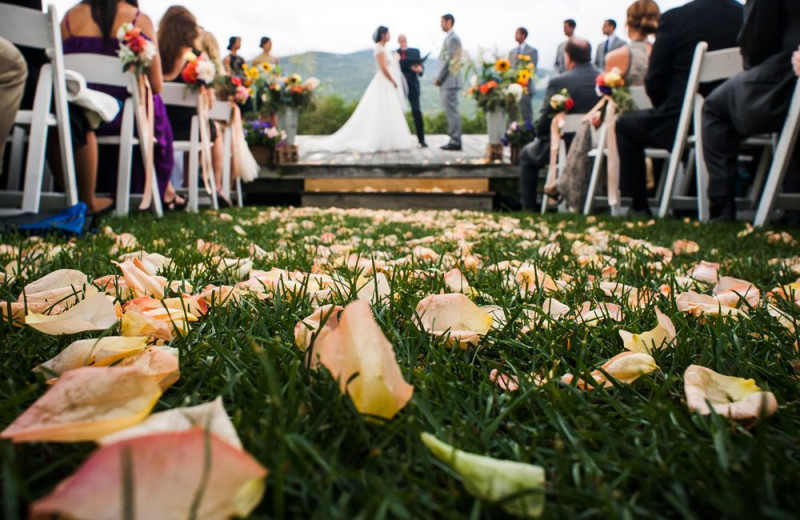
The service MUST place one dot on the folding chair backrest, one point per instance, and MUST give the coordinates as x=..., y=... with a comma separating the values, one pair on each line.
x=98, y=69
x=28, y=27
x=178, y=94
x=720, y=65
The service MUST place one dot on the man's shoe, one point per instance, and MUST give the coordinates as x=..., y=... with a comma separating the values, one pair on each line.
x=642, y=212
x=722, y=209
x=451, y=148
x=423, y=144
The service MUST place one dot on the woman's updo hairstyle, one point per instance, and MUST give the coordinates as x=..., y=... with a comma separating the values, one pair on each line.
x=643, y=16
x=379, y=33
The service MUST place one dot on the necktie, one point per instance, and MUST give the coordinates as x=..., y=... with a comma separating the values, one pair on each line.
x=403, y=55
x=608, y=44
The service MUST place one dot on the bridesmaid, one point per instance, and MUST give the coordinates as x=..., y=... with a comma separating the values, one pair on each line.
x=90, y=28
x=233, y=62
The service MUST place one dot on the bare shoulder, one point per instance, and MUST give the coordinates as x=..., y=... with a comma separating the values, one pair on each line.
x=618, y=58
x=145, y=23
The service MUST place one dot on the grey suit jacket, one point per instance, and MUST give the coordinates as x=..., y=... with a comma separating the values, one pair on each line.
x=561, y=61
x=450, y=62
x=527, y=50
x=600, y=56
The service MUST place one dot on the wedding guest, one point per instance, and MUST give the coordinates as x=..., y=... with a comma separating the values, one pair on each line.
x=177, y=33
x=611, y=43
x=632, y=60
x=266, y=54
x=716, y=22
x=13, y=73
x=755, y=101
x=569, y=32
x=412, y=69
x=796, y=62
x=233, y=62
x=526, y=53
x=449, y=82
x=90, y=28
x=34, y=58
x=579, y=80
x=207, y=44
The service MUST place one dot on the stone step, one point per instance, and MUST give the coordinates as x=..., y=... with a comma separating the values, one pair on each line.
x=482, y=201
x=397, y=185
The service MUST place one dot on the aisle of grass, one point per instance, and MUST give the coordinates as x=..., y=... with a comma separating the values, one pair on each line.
x=623, y=452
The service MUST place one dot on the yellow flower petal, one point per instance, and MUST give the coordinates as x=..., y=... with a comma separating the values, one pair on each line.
x=92, y=352
x=732, y=397
x=660, y=337
x=455, y=315
x=97, y=312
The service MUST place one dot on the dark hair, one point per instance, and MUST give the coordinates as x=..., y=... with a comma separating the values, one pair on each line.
x=643, y=16
x=104, y=12
x=612, y=23
x=264, y=39
x=572, y=23
x=579, y=50
x=176, y=30
x=379, y=33
x=450, y=18
x=523, y=30
x=232, y=40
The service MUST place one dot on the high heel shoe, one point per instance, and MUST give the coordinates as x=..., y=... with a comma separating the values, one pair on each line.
x=174, y=205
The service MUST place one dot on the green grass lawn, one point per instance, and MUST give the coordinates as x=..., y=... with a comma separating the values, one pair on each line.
x=629, y=451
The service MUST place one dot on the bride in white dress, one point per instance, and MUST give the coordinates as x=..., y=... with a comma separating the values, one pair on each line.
x=378, y=123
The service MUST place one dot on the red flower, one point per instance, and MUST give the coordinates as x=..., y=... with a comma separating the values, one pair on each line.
x=137, y=44
x=492, y=84
x=484, y=89
x=569, y=104
x=236, y=81
x=132, y=33
x=189, y=73
x=601, y=80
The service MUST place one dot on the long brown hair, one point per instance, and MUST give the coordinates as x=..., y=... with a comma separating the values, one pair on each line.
x=176, y=31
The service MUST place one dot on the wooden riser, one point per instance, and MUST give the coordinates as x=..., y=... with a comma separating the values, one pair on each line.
x=399, y=201
x=401, y=185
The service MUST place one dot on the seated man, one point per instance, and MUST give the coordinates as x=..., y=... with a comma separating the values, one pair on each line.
x=755, y=101
x=579, y=80
x=13, y=73
x=716, y=22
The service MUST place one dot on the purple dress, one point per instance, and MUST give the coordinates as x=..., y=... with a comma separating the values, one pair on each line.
x=109, y=156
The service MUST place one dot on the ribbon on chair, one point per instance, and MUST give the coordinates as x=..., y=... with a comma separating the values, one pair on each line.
x=147, y=138
x=203, y=106
x=555, y=143
x=613, y=154
x=244, y=165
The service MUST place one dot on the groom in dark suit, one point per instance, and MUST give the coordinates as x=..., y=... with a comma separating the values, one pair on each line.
x=411, y=66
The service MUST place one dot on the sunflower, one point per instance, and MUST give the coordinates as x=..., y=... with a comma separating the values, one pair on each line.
x=502, y=65
x=295, y=79
x=266, y=67
x=524, y=75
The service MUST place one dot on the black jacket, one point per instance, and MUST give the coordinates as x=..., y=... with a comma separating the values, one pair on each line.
x=412, y=56
x=580, y=82
x=716, y=22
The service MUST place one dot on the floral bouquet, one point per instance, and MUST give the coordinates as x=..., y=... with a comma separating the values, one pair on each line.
x=199, y=71
x=526, y=71
x=262, y=133
x=135, y=51
x=519, y=134
x=231, y=87
x=496, y=86
x=613, y=85
x=287, y=91
x=561, y=102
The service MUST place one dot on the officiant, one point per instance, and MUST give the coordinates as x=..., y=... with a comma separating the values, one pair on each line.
x=411, y=66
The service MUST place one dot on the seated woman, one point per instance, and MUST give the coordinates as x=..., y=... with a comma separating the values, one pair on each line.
x=177, y=33
x=208, y=45
x=90, y=27
x=631, y=61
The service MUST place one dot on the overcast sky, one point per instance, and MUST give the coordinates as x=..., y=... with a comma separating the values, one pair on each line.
x=347, y=26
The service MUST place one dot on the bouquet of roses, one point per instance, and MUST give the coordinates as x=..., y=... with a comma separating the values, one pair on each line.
x=519, y=134
x=231, y=87
x=262, y=133
x=561, y=102
x=613, y=85
x=198, y=71
x=135, y=50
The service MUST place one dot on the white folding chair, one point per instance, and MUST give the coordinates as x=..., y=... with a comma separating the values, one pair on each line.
x=707, y=67
x=783, y=154
x=642, y=102
x=178, y=94
x=40, y=30
x=572, y=123
x=107, y=70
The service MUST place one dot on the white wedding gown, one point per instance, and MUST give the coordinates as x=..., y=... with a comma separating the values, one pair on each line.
x=378, y=123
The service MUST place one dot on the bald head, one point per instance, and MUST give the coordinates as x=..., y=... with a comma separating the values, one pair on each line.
x=578, y=51
x=402, y=41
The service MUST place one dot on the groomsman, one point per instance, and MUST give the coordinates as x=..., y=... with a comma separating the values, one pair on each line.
x=411, y=66
x=448, y=79
x=523, y=49
x=569, y=32
x=613, y=42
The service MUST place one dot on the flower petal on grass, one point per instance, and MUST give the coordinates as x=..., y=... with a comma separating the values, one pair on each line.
x=660, y=337
x=97, y=312
x=86, y=404
x=705, y=272
x=454, y=315
x=314, y=329
x=505, y=382
x=209, y=416
x=375, y=289
x=359, y=348
x=92, y=352
x=495, y=480
x=64, y=287
x=591, y=317
x=732, y=397
x=456, y=282
x=625, y=368
x=703, y=304
x=134, y=323
x=160, y=363
x=731, y=292
x=189, y=474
